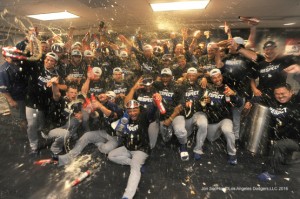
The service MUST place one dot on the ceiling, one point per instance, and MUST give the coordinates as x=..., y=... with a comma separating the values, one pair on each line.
x=129, y=15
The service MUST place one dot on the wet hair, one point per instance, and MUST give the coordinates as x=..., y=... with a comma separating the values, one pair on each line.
x=284, y=85
x=73, y=86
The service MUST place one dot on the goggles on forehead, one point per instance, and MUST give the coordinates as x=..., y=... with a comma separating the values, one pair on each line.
x=132, y=104
x=147, y=81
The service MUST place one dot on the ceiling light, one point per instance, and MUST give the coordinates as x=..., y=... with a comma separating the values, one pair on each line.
x=187, y=5
x=289, y=24
x=54, y=16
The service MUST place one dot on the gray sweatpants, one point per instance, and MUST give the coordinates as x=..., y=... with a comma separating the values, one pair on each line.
x=63, y=133
x=100, y=138
x=35, y=122
x=178, y=125
x=199, y=119
x=225, y=126
x=236, y=118
x=133, y=158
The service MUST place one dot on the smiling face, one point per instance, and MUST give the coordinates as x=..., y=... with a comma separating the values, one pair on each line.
x=270, y=52
x=133, y=113
x=49, y=63
x=165, y=79
x=102, y=97
x=283, y=95
x=192, y=77
x=217, y=79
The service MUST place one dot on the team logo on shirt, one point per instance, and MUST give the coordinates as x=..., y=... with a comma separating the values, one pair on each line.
x=269, y=68
x=278, y=111
x=191, y=93
x=96, y=90
x=147, y=67
x=120, y=90
x=234, y=62
x=132, y=127
x=209, y=67
x=42, y=81
x=216, y=97
x=76, y=75
x=168, y=96
x=144, y=99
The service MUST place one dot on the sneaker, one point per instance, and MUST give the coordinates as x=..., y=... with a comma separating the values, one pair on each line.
x=265, y=176
x=197, y=156
x=184, y=155
x=54, y=157
x=232, y=160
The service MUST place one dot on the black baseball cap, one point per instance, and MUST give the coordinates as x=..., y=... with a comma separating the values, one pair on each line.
x=269, y=44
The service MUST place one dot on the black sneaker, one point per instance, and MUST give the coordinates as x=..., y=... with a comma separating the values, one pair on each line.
x=54, y=157
x=232, y=160
x=184, y=155
x=197, y=156
x=265, y=176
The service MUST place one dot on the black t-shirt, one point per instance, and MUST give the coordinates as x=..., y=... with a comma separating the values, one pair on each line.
x=285, y=119
x=271, y=73
x=237, y=72
x=171, y=97
x=192, y=93
x=97, y=87
x=178, y=71
x=13, y=80
x=144, y=97
x=39, y=95
x=118, y=88
x=61, y=110
x=149, y=66
x=219, y=108
x=78, y=72
x=103, y=121
x=206, y=63
x=136, y=134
